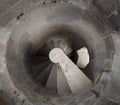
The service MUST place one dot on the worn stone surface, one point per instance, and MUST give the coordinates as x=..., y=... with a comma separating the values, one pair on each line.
x=6, y=86
x=83, y=57
x=10, y=9
x=107, y=6
x=110, y=7
x=112, y=91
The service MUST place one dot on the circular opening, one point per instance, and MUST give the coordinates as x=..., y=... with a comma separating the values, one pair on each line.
x=33, y=67
x=41, y=68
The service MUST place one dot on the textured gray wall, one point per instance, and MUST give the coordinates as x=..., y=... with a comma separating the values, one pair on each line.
x=10, y=9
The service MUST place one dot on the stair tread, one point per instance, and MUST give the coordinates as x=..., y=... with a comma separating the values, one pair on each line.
x=50, y=44
x=44, y=50
x=65, y=47
x=57, y=43
x=40, y=67
x=62, y=85
x=39, y=59
x=52, y=80
x=45, y=74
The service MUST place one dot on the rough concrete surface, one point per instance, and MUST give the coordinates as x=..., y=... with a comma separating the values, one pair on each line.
x=26, y=24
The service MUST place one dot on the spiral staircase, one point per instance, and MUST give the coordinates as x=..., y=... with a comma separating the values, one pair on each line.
x=59, y=52
x=50, y=74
